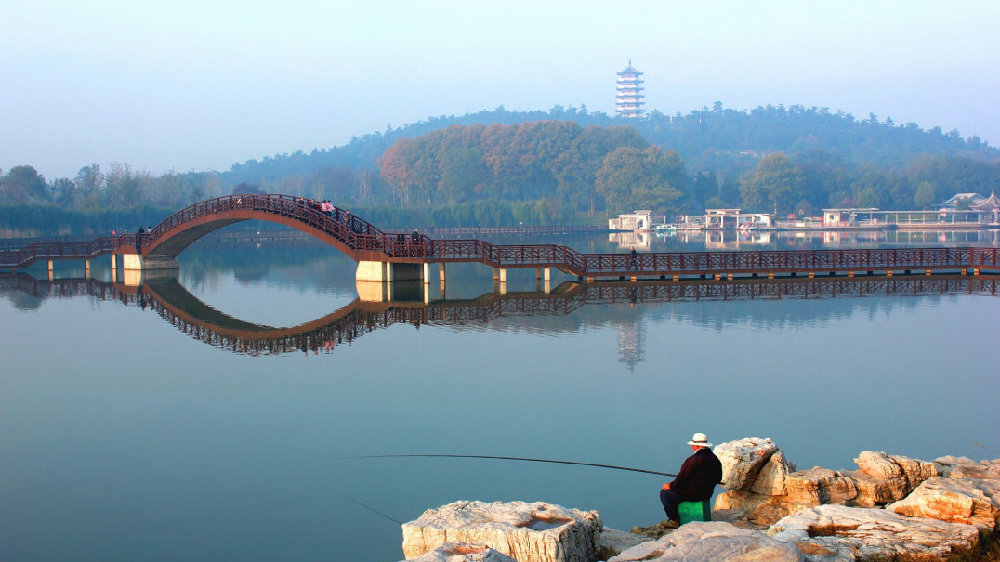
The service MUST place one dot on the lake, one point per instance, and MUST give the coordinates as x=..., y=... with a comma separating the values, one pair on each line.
x=132, y=432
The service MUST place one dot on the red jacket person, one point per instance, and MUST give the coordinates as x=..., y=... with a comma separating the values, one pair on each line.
x=696, y=480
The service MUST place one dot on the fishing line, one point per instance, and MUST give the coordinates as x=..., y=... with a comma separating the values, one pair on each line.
x=372, y=509
x=599, y=465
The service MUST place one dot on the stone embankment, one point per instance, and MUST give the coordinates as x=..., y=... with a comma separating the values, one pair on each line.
x=891, y=506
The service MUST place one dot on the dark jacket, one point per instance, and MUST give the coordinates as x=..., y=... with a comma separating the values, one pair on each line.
x=698, y=476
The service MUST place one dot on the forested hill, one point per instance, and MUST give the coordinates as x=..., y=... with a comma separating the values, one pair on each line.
x=499, y=167
x=725, y=141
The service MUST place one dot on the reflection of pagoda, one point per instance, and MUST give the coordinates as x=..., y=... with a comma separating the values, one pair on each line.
x=631, y=340
x=628, y=101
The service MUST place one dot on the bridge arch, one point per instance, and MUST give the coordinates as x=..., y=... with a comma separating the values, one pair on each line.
x=351, y=235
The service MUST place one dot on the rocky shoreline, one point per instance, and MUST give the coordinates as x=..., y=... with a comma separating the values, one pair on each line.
x=891, y=507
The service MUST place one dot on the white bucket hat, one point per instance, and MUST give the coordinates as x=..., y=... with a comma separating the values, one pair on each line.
x=699, y=439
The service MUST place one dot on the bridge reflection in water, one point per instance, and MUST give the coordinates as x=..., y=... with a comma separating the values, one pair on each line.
x=175, y=304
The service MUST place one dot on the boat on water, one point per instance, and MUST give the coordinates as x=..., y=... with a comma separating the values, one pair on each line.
x=665, y=229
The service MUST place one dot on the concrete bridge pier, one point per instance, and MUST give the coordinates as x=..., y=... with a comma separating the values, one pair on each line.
x=375, y=280
x=545, y=284
x=135, y=266
x=138, y=262
x=388, y=272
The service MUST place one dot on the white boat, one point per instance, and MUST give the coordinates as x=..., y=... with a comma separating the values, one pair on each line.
x=665, y=229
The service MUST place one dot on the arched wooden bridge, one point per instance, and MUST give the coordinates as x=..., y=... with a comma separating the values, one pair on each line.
x=381, y=250
x=176, y=305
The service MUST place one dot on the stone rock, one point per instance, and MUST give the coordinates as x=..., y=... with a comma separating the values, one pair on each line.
x=964, y=467
x=528, y=532
x=612, y=542
x=771, y=479
x=972, y=501
x=754, y=508
x=742, y=461
x=713, y=540
x=741, y=501
x=874, y=491
x=800, y=490
x=818, y=486
x=883, y=478
x=769, y=512
x=874, y=532
x=458, y=551
x=878, y=464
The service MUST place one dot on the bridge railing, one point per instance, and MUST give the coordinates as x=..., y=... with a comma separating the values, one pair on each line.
x=984, y=257
x=796, y=260
x=354, y=231
x=59, y=250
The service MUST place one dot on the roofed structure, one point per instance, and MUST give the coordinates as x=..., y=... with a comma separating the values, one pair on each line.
x=991, y=203
x=973, y=199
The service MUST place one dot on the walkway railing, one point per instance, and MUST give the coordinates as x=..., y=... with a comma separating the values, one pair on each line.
x=362, y=240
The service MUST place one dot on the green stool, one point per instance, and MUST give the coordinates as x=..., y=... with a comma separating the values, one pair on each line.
x=694, y=511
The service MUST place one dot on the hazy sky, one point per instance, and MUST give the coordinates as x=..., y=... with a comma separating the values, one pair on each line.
x=197, y=85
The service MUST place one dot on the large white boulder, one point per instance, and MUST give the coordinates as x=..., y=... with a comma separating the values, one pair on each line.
x=972, y=501
x=742, y=460
x=713, y=540
x=771, y=478
x=528, y=532
x=875, y=532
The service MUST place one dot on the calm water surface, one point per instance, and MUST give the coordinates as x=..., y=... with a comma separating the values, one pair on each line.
x=126, y=438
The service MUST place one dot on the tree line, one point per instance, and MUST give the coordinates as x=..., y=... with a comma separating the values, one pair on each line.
x=579, y=170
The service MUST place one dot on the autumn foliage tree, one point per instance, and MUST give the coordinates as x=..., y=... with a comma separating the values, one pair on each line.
x=553, y=162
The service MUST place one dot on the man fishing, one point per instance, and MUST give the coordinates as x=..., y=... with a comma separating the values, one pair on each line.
x=695, y=482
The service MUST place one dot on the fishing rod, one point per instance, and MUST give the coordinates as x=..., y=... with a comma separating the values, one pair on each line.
x=600, y=465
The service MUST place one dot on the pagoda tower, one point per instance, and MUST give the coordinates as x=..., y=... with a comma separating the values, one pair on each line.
x=628, y=101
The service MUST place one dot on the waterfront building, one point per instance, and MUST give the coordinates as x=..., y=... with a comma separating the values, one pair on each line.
x=639, y=220
x=628, y=100
x=851, y=218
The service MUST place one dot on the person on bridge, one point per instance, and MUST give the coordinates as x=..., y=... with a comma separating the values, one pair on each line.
x=633, y=260
x=695, y=482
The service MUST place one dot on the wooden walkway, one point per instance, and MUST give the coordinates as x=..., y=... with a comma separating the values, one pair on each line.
x=362, y=241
